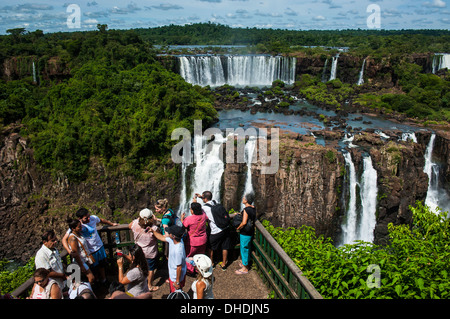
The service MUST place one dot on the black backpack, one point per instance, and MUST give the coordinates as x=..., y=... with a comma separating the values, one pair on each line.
x=220, y=215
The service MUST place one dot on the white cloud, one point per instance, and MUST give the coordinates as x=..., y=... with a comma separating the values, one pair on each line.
x=435, y=4
x=319, y=18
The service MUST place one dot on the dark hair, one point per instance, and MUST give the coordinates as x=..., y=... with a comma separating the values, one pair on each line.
x=250, y=197
x=73, y=223
x=139, y=259
x=207, y=195
x=114, y=286
x=197, y=208
x=81, y=212
x=41, y=272
x=48, y=234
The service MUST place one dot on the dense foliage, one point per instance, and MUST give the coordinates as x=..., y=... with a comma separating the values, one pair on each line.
x=413, y=265
x=12, y=279
x=118, y=105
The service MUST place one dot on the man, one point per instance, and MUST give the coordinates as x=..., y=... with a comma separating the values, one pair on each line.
x=219, y=239
x=94, y=242
x=177, y=255
x=48, y=257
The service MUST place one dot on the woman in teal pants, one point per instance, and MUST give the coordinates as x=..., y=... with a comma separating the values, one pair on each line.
x=246, y=231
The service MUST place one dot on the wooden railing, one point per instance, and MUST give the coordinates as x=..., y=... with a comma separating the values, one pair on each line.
x=278, y=269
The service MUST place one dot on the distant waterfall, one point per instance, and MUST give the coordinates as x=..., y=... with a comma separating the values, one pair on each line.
x=34, y=73
x=436, y=196
x=440, y=61
x=251, y=70
x=360, y=219
x=324, y=78
x=361, y=74
x=249, y=153
x=334, y=67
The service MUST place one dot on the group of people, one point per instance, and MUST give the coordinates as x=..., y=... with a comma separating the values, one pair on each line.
x=190, y=243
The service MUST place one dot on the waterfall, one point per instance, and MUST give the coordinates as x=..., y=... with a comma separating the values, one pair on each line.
x=249, y=153
x=361, y=74
x=34, y=73
x=208, y=169
x=183, y=200
x=349, y=227
x=252, y=70
x=409, y=136
x=334, y=67
x=440, y=61
x=324, y=79
x=360, y=221
x=369, y=192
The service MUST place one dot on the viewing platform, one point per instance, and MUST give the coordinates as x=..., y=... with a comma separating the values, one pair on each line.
x=273, y=273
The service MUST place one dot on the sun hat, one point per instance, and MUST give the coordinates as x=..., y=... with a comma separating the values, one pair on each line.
x=204, y=265
x=146, y=214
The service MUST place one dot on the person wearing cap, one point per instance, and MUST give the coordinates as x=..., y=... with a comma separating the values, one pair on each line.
x=177, y=255
x=147, y=241
x=203, y=286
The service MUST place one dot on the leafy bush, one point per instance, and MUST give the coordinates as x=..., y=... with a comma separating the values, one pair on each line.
x=10, y=280
x=413, y=265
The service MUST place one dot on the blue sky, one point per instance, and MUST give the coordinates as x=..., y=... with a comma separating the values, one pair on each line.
x=51, y=15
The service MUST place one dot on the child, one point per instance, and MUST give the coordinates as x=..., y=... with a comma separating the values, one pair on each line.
x=177, y=255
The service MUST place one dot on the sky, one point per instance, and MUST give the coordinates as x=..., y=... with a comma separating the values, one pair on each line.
x=80, y=15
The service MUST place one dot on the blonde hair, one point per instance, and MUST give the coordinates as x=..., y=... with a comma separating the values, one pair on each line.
x=162, y=203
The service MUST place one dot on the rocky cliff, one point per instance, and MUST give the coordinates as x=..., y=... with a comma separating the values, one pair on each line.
x=32, y=200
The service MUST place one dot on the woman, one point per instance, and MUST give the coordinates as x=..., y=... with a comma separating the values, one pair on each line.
x=246, y=230
x=44, y=287
x=167, y=219
x=203, y=286
x=196, y=229
x=78, y=249
x=136, y=276
x=147, y=241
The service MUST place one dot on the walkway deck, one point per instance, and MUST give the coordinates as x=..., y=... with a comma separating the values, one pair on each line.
x=227, y=284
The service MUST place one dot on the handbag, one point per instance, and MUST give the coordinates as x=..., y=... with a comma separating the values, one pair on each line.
x=237, y=220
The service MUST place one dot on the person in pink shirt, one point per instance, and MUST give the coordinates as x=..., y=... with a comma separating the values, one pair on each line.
x=196, y=240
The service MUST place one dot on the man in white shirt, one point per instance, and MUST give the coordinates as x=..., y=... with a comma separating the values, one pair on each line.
x=219, y=239
x=48, y=257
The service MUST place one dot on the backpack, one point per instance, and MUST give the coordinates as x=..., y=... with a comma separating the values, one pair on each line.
x=220, y=215
x=173, y=218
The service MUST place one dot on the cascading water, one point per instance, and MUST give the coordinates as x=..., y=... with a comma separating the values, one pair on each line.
x=249, y=153
x=369, y=192
x=361, y=74
x=360, y=221
x=334, y=67
x=436, y=196
x=251, y=70
x=324, y=78
x=34, y=73
x=409, y=136
x=440, y=61
x=349, y=227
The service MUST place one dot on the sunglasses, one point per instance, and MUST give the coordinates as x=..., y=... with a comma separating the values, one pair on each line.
x=40, y=281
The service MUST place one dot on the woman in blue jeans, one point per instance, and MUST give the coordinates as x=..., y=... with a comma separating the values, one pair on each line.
x=246, y=231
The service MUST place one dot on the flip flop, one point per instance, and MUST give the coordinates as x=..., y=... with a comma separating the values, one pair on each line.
x=240, y=272
x=154, y=288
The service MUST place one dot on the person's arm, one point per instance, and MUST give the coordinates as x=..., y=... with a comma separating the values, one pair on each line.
x=122, y=278
x=244, y=220
x=107, y=222
x=32, y=292
x=55, y=292
x=176, y=284
x=201, y=286
x=65, y=242
x=158, y=235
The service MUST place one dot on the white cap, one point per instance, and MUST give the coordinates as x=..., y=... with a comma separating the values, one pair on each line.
x=203, y=264
x=146, y=214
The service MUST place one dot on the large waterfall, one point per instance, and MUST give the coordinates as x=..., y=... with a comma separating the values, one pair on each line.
x=440, y=61
x=245, y=70
x=360, y=219
x=436, y=196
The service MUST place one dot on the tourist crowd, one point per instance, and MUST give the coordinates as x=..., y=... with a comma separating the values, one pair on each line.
x=189, y=245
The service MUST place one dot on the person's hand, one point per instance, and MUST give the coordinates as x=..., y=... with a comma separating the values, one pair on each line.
x=120, y=262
